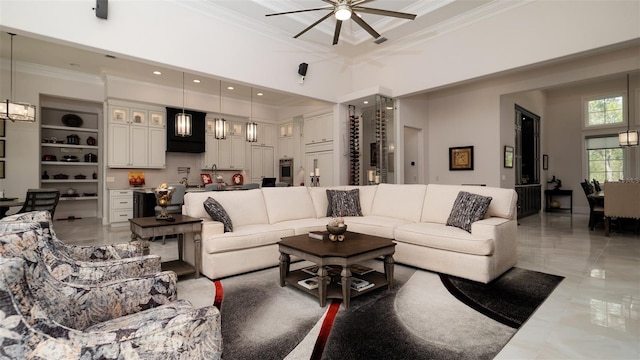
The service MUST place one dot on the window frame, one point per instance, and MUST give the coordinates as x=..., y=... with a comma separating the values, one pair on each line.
x=585, y=110
x=625, y=156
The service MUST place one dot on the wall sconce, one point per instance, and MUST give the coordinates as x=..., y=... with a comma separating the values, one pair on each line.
x=629, y=137
x=10, y=110
x=183, y=120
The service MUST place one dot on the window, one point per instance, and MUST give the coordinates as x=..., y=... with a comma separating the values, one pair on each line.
x=605, y=159
x=604, y=111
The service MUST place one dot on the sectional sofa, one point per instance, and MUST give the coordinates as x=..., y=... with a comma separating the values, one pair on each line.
x=415, y=216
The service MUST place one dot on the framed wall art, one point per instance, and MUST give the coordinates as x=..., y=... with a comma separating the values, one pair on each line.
x=2, y=174
x=508, y=156
x=3, y=128
x=461, y=158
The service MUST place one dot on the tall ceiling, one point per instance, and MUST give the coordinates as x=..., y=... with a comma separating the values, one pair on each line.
x=432, y=16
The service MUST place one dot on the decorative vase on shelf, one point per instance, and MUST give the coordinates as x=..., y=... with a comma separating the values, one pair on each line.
x=45, y=176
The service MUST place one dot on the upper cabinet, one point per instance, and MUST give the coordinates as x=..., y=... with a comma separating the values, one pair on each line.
x=136, y=136
x=318, y=128
x=266, y=134
x=286, y=130
x=226, y=154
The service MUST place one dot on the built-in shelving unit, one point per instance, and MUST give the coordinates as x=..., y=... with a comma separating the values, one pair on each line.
x=70, y=156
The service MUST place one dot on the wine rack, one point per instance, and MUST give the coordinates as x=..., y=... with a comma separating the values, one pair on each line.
x=354, y=147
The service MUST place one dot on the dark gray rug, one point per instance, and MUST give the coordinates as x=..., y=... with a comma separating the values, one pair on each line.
x=418, y=319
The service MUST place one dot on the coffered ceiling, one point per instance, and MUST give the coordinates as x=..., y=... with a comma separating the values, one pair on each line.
x=433, y=17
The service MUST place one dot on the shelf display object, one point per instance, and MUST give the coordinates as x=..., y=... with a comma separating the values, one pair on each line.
x=381, y=143
x=354, y=147
x=69, y=157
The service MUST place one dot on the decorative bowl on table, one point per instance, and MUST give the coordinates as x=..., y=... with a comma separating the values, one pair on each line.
x=336, y=233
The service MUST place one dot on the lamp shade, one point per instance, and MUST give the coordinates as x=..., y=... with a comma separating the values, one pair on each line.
x=183, y=124
x=219, y=128
x=252, y=132
x=17, y=111
x=628, y=138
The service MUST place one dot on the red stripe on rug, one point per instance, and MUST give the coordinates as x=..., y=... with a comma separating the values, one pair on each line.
x=217, y=299
x=325, y=330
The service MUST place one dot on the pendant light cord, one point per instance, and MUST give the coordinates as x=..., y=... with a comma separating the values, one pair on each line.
x=183, y=93
x=628, y=107
x=11, y=69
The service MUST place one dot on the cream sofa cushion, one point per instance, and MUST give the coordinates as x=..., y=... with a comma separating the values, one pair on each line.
x=319, y=198
x=445, y=238
x=399, y=201
x=244, y=237
x=367, y=194
x=244, y=207
x=288, y=203
x=439, y=201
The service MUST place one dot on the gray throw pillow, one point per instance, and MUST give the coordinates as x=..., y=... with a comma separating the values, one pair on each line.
x=217, y=213
x=468, y=208
x=343, y=203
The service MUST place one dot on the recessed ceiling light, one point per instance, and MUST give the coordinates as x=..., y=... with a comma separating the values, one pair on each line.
x=259, y=94
x=196, y=81
x=389, y=107
x=229, y=87
x=157, y=72
x=366, y=102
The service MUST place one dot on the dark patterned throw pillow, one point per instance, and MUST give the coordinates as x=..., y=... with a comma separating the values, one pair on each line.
x=343, y=203
x=217, y=213
x=467, y=209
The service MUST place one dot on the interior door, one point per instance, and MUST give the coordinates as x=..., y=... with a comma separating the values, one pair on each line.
x=411, y=153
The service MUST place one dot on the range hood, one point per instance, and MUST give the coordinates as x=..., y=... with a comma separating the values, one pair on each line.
x=190, y=144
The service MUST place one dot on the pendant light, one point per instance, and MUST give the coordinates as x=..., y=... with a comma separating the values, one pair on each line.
x=220, y=123
x=629, y=137
x=10, y=110
x=252, y=127
x=183, y=120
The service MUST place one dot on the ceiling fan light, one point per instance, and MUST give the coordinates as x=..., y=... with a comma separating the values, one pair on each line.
x=343, y=12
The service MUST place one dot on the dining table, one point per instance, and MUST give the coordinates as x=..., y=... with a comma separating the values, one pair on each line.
x=8, y=203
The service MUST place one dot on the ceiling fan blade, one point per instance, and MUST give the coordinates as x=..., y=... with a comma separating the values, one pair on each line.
x=314, y=24
x=336, y=34
x=364, y=25
x=332, y=2
x=299, y=11
x=360, y=2
x=385, y=12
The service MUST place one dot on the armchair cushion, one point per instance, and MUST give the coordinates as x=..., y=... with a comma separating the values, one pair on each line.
x=171, y=331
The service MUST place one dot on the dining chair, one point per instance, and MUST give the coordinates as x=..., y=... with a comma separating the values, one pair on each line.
x=622, y=201
x=596, y=209
x=41, y=199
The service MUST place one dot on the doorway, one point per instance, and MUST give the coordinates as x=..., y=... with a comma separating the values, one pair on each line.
x=411, y=155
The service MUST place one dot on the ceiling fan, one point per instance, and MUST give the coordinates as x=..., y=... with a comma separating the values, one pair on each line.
x=348, y=9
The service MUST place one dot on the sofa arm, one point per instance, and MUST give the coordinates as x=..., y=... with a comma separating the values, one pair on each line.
x=211, y=227
x=504, y=233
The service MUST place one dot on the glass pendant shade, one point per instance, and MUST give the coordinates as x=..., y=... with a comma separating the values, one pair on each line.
x=16, y=111
x=13, y=111
x=628, y=138
x=183, y=124
x=219, y=129
x=252, y=132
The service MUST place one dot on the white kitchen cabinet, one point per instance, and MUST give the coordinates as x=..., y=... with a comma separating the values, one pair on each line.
x=120, y=206
x=286, y=130
x=285, y=148
x=262, y=163
x=227, y=154
x=266, y=134
x=318, y=128
x=136, y=136
x=322, y=160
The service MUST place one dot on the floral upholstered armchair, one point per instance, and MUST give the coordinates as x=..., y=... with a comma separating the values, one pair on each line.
x=82, y=305
x=40, y=322
x=84, y=264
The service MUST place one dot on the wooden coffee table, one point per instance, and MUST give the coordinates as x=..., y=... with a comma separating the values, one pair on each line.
x=355, y=249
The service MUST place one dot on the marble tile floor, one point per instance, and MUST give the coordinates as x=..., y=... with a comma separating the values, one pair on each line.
x=593, y=314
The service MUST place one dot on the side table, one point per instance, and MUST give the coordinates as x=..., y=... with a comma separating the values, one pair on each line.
x=550, y=194
x=145, y=228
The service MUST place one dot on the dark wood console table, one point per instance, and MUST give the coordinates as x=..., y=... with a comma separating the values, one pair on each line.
x=550, y=194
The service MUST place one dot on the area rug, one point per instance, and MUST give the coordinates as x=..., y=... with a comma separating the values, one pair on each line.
x=418, y=319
